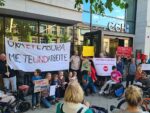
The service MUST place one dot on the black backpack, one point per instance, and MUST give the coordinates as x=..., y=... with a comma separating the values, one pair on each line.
x=97, y=109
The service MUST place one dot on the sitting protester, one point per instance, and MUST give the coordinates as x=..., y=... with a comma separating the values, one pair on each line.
x=46, y=99
x=133, y=96
x=73, y=99
x=88, y=83
x=4, y=98
x=115, y=78
x=55, y=81
x=62, y=83
x=141, y=77
x=73, y=76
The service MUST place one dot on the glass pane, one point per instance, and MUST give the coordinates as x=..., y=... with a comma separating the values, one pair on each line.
x=1, y=35
x=47, y=32
x=21, y=30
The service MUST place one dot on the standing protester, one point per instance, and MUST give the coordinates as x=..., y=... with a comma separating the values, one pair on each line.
x=131, y=72
x=75, y=64
x=120, y=65
x=8, y=74
x=36, y=96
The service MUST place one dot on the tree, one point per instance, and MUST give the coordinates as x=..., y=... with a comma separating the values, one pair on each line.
x=2, y=2
x=99, y=6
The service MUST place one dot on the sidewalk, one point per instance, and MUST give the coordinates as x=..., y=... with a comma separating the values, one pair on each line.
x=101, y=101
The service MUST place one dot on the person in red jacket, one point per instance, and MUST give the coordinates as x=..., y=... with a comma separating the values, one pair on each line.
x=93, y=72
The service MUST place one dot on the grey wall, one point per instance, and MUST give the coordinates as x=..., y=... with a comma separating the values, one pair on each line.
x=53, y=10
x=142, y=33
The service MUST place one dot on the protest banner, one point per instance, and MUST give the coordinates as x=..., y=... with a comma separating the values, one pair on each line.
x=52, y=90
x=103, y=66
x=124, y=51
x=30, y=56
x=145, y=67
x=40, y=85
x=85, y=65
x=88, y=51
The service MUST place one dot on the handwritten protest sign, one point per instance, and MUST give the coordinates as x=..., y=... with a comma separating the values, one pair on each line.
x=30, y=56
x=41, y=85
x=88, y=51
x=104, y=65
x=52, y=90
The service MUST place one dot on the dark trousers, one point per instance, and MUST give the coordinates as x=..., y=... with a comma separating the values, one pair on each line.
x=35, y=99
x=129, y=78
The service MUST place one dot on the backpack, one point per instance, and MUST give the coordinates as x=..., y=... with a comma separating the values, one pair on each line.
x=97, y=109
x=61, y=109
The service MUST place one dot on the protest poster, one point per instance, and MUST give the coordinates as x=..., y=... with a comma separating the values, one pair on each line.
x=124, y=51
x=88, y=51
x=30, y=56
x=85, y=65
x=103, y=66
x=40, y=85
x=145, y=67
x=52, y=90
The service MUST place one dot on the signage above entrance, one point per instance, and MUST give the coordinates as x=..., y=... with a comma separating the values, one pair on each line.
x=118, y=27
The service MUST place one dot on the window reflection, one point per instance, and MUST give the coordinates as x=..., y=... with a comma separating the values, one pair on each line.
x=21, y=30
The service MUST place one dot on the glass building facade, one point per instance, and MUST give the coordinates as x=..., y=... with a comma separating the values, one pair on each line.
x=27, y=30
x=125, y=17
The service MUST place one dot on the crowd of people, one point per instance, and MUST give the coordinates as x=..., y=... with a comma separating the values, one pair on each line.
x=79, y=81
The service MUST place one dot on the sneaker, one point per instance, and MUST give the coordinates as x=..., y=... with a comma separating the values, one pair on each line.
x=33, y=107
x=106, y=92
x=101, y=92
x=38, y=105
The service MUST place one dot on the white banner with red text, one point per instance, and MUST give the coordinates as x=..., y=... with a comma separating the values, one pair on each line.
x=30, y=56
x=103, y=66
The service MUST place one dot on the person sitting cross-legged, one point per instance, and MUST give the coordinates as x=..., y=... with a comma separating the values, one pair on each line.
x=115, y=78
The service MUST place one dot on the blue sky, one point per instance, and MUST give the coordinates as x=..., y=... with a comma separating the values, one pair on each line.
x=103, y=21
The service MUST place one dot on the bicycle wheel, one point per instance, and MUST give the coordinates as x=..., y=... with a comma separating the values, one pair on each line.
x=23, y=106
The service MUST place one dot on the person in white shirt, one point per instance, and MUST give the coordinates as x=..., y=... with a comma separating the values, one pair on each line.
x=75, y=63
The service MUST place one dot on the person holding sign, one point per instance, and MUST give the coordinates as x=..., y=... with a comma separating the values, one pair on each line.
x=8, y=75
x=115, y=78
x=36, y=96
x=46, y=99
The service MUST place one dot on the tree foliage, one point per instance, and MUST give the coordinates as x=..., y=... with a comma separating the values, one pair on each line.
x=99, y=6
x=2, y=2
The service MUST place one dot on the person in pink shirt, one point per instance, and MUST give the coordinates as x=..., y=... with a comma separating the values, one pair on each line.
x=115, y=78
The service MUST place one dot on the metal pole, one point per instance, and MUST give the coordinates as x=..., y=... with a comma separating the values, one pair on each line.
x=90, y=17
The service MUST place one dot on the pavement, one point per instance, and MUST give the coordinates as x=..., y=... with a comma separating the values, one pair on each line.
x=95, y=99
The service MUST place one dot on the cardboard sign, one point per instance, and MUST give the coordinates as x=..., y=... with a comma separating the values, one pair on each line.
x=103, y=66
x=88, y=51
x=124, y=51
x=86, y=65
x=146, y=67
x=41, y=85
